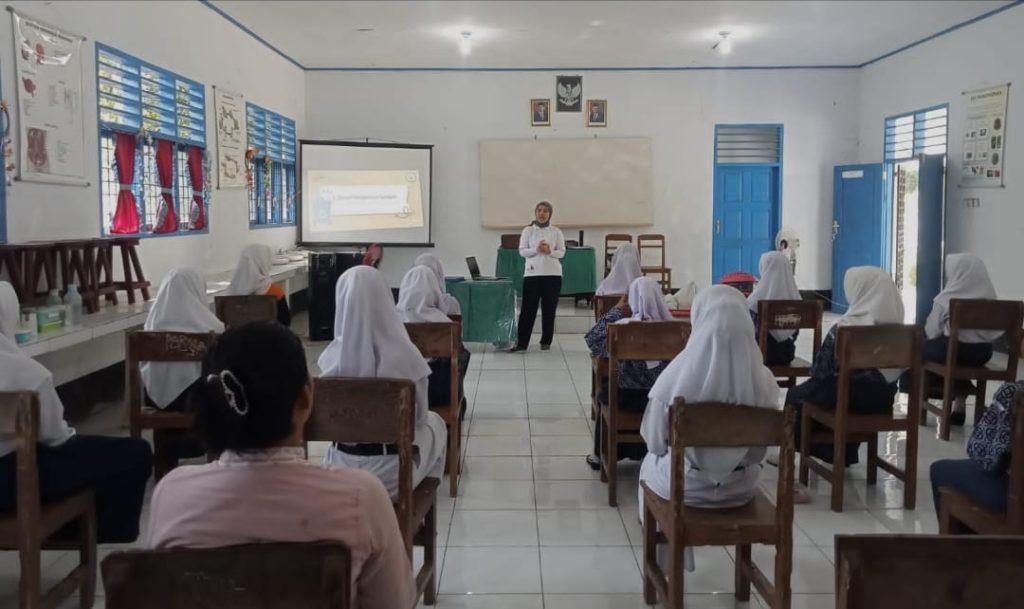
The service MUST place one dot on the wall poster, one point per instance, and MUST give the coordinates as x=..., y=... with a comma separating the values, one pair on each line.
x=984, y=136
x=230, y=109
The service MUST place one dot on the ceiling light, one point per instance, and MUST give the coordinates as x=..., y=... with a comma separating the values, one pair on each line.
x=465, y=44
x=365, y=29
x=596, y=23
x=724, y=44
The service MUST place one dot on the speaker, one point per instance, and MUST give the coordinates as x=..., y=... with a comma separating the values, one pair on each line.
x=324, y=270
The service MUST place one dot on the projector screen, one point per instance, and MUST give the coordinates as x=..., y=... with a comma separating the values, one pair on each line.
x=355, y=193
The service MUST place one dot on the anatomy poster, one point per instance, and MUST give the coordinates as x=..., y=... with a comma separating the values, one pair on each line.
x=984, y=137
x=230, y=108
x=50, y=113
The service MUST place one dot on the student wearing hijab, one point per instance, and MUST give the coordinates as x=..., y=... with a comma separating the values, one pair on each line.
x=873, y=300
x=370, y=341
x=776, y=283
x=543, y=247
x=449, y=305
x=642, y=303
x=419, y=300
x=625, y=268
x=115, y=469
x=252, y=276
x=721, y=363
x=255, y=400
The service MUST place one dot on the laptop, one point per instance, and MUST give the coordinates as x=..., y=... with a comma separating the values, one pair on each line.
x=474, y=271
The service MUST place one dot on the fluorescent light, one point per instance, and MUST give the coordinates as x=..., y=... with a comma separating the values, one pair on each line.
x=465, y=44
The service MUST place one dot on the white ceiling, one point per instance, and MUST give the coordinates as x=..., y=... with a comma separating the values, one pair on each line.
x=559, y=34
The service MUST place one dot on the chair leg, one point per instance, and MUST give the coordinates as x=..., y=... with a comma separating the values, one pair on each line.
x=87, y=557
x=838, y=471
x=454, y=437
x=163, y=460
x=676, y=571
x=612, y=458
x=650, y=527
x=430, y=554
x=783, y=572
x=30, y=585
x=742, y=581
x=603, y=444
x=979, y=401
x=948, y=389
x=805, y=446
x=910, y=469
x=873, y=459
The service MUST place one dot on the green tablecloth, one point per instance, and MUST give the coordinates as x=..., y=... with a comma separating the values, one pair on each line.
x=488, y=310
x=579, y=270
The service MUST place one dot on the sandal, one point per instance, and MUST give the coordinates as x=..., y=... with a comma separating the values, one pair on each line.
x=594, y=462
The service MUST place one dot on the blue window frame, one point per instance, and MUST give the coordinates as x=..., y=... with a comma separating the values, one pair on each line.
x=919, y=132
x=272, y=190
x=141, y=99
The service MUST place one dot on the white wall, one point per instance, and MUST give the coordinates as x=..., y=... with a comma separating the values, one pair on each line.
x=988, y=52
x=678, y=110
x=192, y=40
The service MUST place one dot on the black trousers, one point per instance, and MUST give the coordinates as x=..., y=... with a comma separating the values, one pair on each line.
x=439, y=383
x=630, y=400
x=543, y=291
x=780, y=353
x=935, y=349
x=116, y=469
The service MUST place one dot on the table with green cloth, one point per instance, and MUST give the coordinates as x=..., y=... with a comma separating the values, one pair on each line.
x=579, y=270
x=488, y=310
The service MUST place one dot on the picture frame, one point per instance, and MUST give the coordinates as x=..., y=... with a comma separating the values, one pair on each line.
x=540, y=112
x=569, y=93
x=597, y=112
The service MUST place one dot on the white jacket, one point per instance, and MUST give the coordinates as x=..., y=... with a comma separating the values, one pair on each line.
x=537, y=264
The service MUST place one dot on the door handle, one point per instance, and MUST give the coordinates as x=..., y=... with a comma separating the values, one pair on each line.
x=718, y=227
x=835, y=229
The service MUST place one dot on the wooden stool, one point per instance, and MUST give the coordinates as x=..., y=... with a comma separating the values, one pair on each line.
x=74, y=259
x=12, y=258
x=40, y=262
x=103, y=270
x=130, y=262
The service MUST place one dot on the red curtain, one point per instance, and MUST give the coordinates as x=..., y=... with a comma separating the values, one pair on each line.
x=197, y=213
x=166, y=217
x=126, y=217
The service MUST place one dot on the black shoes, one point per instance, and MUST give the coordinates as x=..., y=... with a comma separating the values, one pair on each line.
x=545, y=347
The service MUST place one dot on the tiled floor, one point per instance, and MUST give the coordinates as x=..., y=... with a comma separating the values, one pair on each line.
x=531, y=527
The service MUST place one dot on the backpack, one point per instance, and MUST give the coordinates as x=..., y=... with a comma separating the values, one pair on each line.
x=989, y=444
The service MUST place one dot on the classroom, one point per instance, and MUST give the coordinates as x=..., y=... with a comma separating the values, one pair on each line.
x=511, y=304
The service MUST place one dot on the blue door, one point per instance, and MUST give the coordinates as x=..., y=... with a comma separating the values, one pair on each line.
x=859, y=223
x=931, y=206
x=745, y=217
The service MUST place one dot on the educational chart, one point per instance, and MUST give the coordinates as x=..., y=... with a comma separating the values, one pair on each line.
x=984, y=136
x=48, y=65
x=230, y=109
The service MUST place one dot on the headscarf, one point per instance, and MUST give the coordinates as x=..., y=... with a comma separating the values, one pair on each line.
x=252, y=276
x=449, y=305
x=419, y=300
x=721, y=363
x=370, y=340
x=9, y=309
x=874, y=300
x=966, y=277
x=180, y=306
x=646, y=302
x=551, y=212
x=776, y=283
x=18, y=372
x=625, y=268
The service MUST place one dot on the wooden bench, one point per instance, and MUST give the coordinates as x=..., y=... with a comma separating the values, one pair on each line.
x=789, y=315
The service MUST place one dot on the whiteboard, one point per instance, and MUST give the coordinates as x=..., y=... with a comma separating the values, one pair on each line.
x=590, y=182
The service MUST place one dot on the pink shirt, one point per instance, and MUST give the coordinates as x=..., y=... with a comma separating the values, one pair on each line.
x=276, y=495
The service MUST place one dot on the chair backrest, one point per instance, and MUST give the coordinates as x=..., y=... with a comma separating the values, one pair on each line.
x=646, y=340
x=1015, y=496
x=19, y=423
x=611, y=243
x=788, y=315
x=934, y=571
x=253, y=576
x=237, y=311
x=885, y=346
x=369, y=411
x=440, y=339
x=652, y=242
x=712, y=424
x=510, y=242
x=1005, y=315
x=145, y=346
x=604, y=303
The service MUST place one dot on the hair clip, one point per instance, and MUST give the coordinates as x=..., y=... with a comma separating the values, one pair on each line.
x=229, y=393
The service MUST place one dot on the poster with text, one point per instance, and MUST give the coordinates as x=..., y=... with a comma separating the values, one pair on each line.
x=984, y=137
x=51, y=122
x=230, y=109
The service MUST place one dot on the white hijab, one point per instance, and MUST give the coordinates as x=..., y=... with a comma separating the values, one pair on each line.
x=18, y=372
x=419, y=299
x=776, y=283
x=874, y=300
x=721, y=363
x=252, y=275
x=370, y=340
x=449, y=305
x=180, y=306
x=966, y=277
x=625, y=269
x=646, y=302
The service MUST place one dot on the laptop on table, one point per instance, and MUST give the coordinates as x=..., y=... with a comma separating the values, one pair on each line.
x=474, y=271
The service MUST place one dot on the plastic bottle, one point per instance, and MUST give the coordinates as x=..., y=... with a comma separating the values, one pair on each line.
x=54, y=299
x=74, y=299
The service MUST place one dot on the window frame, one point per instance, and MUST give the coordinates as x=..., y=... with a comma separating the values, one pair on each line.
x=918, y=140
x=273, y=207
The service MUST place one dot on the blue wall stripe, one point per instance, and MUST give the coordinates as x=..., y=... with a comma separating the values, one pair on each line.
x=257, y=37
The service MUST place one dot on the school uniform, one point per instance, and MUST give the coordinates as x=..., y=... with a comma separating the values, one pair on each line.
x=776, y=283
x=370, y=341
x=966, y=278
x=252, y=276
x=625, y=269
x=449, y=304
x=542, y=281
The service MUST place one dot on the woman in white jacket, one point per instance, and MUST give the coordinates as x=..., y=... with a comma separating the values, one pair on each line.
x=543, y=247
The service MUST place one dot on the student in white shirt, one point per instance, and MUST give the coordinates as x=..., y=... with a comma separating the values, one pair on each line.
x=449, y=304
x=625, y=268
x=543, y=247
x=115, y=469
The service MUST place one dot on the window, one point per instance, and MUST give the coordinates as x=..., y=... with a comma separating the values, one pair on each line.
x=272, y=167
x=921, y=132
x=153, y=121
x=748, y=144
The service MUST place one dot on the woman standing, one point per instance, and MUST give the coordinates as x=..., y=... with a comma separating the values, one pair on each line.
x=543, y=247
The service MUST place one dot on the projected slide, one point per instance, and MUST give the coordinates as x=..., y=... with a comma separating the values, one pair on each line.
x=365, y=200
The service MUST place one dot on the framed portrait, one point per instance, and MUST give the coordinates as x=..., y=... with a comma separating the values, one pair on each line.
x=597, y=112
x=569, y=93
x=540, y=112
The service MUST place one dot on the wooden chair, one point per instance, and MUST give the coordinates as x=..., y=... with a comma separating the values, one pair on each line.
x=253, y=576
x=637, y=341
x=605, y=303
x=934, y=571
x=33, y=525
x=510, y=242
x=758, y=522
x=664, y=273
x=444, y=340
x=599, y=365
x=1004, y=315
x=142, y=346
x=611, y=243
x=374, y=410
x=958, y=513
x=862, y=347
x=237, y=311
x=789, y=315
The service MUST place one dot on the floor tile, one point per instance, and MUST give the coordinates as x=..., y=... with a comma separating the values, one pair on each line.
x=813, y=572
x=497, y=468
x=500, y=410
x=589, y=570
x=493, y=528
x=500, y=427
x=498, y=446
x=491, y=571
x=559, y=411
x=562, y=445
x=822, y=526
x=495, y=495
x=487, y=601
x=575, y=426
x=563, y=468
x=602, y=527
x=571, y=494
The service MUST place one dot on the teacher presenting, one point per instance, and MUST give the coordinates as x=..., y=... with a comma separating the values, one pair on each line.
x=543, y=246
